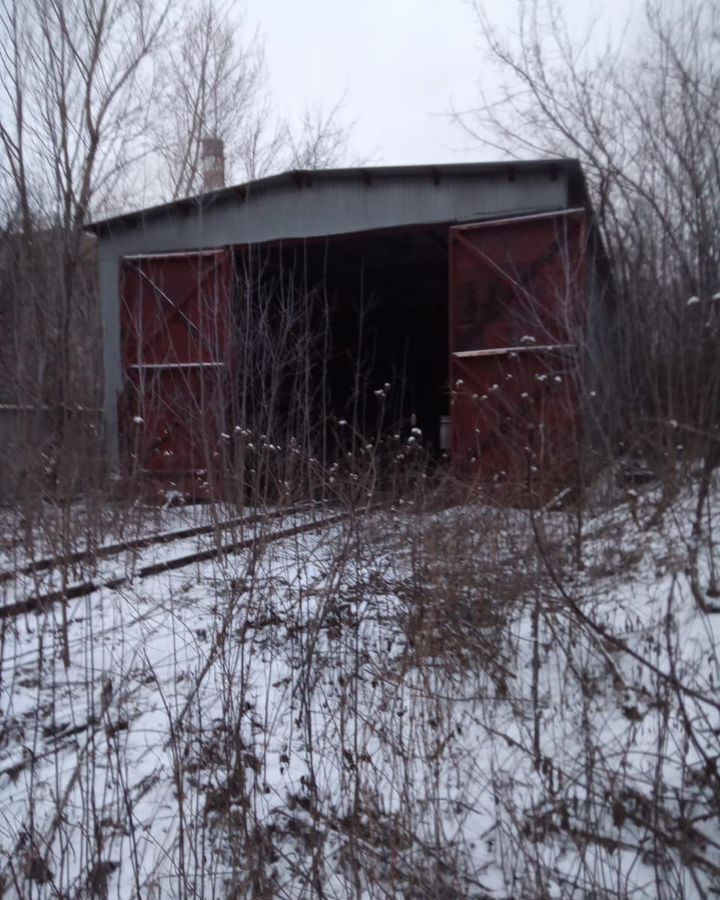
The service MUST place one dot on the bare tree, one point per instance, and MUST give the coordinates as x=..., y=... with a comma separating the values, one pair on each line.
x=215, y=85
x=73, y=105
x=73, y=119
x=644, y=122
x=261, y=144
x=319, y=140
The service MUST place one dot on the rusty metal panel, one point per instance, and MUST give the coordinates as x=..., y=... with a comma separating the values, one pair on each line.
x=175, y=327
x=516, y=310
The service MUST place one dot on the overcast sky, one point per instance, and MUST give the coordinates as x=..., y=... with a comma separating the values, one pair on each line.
x=401, y=65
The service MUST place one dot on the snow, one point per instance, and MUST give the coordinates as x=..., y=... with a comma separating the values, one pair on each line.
x=412, y=708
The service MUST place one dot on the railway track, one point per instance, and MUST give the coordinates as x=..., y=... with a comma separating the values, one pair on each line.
x=68, y=744
x=40, y=601
x=46, y=563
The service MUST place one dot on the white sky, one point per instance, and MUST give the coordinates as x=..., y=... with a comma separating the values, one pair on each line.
x=401, y=65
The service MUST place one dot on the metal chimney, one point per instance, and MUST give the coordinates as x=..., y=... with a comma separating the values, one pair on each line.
x=213, y=164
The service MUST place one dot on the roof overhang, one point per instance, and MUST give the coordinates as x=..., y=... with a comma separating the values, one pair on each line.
x=354, y=181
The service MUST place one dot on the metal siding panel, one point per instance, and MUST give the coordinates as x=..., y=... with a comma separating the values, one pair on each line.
x=553, y=168
x=285, y=212
x=175, y=341
x=515, y=414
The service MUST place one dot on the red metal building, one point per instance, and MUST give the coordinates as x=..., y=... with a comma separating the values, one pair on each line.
x=483, y=285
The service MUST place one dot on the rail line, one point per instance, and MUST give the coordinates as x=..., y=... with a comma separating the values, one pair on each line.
x=141, y=543
x=38, y=602
x=92, y=723
x=89, y=726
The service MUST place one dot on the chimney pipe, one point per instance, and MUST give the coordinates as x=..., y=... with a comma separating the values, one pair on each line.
x=213, y=164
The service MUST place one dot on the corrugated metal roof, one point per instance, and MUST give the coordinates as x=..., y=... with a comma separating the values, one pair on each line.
x=305, y=178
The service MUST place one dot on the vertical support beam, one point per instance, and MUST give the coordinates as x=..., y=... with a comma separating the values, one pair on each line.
x=109, y=286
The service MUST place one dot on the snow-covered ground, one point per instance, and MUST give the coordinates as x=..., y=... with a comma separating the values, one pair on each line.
x=464, y=702
x=50, y=531
x=120, y=565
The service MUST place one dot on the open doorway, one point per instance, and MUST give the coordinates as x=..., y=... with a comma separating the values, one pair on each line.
x=376, y=304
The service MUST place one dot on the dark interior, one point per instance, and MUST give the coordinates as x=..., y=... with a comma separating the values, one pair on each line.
x=382, y=302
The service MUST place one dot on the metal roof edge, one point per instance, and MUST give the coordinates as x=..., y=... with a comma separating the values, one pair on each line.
x=305, y=178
